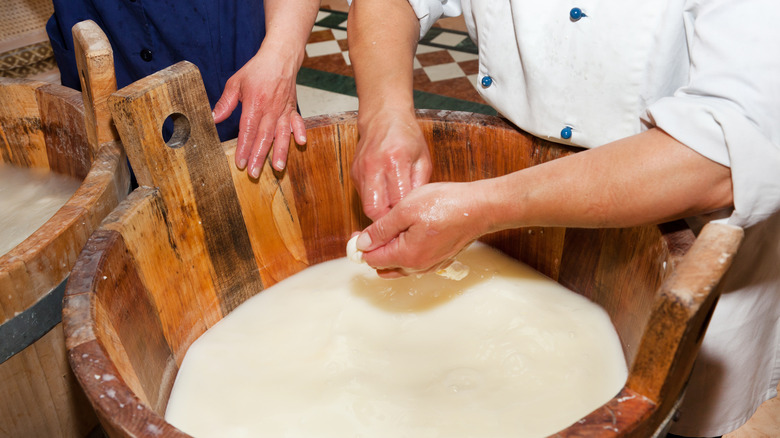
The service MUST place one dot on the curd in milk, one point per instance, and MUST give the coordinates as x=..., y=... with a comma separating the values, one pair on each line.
x=335, y=351
x=29, y=198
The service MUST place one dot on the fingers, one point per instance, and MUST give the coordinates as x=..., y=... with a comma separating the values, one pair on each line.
x=262, y=143
x=247, y=132
x=398, y=257
x=425, y=231
x=298, y=128
x=421, y=173
x=398, y=181
x=267, y=119
x=380, y=241
x=281, y=144
x=257, y=138
x=226, y=103
x=373, y=195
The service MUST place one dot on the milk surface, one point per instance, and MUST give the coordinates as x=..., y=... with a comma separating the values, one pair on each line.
x=29, y=198
x=336, y=351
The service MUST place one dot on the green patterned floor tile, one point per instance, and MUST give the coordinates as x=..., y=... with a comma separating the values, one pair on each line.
x=346, y=85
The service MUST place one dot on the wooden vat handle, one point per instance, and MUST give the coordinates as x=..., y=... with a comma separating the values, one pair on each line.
x=193, y=175
x=95, y=61
x=681, y=315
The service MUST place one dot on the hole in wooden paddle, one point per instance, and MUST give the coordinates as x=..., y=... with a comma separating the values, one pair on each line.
x=176, y=130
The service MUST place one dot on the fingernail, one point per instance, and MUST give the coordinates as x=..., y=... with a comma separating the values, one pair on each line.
x=213, y=115
x=255, y=172
x=242, y=164
x=363, y=241
x=280, y=165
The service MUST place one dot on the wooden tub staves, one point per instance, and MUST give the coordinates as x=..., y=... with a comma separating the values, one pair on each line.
x=56, y=128
x=198, y=238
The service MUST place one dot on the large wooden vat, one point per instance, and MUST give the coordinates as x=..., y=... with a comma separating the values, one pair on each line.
x=56, y=128
x=198, y=238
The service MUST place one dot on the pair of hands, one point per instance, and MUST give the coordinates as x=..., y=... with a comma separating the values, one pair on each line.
x=266, y=89
x=418, y=227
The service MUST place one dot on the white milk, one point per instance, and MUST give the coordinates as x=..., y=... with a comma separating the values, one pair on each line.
x=29, y=198
x=335, y=351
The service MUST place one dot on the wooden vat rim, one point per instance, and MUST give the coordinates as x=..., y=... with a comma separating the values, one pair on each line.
x=99, y=376
x=52, y=228
x=81, y=300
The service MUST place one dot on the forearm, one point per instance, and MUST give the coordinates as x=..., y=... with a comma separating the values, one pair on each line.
x=382, y=41
x=647, y=178
x=288, y=26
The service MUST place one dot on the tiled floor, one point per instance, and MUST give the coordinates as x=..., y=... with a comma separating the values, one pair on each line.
x=444, y=75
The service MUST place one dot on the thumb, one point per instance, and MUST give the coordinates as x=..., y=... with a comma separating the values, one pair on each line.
x=381, y=232
x=226, y=103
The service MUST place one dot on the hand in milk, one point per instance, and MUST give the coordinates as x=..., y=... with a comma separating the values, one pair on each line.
x=423, y=233
x=266, y=89
x=392, y=159
x=454, y=271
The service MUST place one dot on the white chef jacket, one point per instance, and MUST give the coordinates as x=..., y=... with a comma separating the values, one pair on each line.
x=704, y=71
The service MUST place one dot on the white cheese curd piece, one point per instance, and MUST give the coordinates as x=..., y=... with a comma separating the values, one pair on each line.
x=353, y=253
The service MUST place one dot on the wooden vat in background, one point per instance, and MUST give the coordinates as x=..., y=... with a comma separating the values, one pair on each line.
x=56, y=128
x=198, y=238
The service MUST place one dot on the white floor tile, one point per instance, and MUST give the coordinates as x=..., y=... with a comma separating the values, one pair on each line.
x=339, y=34
x=474, y=79
x=449, y=39
x=462, y=56
x=313, y=101
x=322, y=48
x=444, y=71
x=422, y=48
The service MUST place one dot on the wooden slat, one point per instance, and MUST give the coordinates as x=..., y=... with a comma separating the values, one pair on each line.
x=62, y=118
x=268, y=204
x=21, y=135
x=144, y=224
x=193, y=177
x=626, y=281
x=322, y=190
x=46, y=401
x=678, y=321
x=95, y=61
x=139, y=336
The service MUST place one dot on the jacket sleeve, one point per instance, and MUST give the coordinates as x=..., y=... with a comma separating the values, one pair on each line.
x=429, y=11
x=729, y=111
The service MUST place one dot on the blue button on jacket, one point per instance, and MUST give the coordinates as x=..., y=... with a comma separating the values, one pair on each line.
x=217, y=36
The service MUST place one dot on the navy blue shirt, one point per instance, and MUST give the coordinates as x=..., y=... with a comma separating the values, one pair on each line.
x=219, y=36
